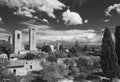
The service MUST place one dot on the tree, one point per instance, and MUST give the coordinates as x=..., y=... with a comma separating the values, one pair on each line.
x=117, y=44
x=52, y=72
x=61, y=47
x=46, y=48
x=52, y=58
x=109, y=61
x=30, y=56
x=76, y=48
x=5, y=47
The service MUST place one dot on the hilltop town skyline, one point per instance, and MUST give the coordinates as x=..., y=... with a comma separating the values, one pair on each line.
x=63, y=21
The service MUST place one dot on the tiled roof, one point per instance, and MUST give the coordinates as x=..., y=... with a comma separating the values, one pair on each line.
x=16, y=63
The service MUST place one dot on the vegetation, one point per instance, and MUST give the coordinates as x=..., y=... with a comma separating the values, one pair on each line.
x=5, y=47
x=109, y=61
x=46, y=48
x=30, y=56
x=117, y=44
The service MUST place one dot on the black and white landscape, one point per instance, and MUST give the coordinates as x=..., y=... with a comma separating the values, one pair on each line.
x=59, y=40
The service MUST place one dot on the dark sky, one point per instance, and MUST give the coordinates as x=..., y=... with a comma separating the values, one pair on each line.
x=79, y=15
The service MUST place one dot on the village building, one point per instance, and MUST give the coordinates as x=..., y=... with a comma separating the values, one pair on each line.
x=22, y=67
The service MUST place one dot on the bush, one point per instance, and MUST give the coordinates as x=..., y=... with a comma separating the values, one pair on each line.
x=30, y=56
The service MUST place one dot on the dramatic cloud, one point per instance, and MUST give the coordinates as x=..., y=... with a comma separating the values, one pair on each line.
x=24, y=11
x=4, y=36
x=37, y=27
x=115, y=7
x=72, y=18
x=44, y=33
x=27, y=7
x=2, y=30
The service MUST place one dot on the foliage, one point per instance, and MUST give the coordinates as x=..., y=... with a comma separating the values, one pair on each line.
x=88, y=64
x=52, y=72
x=52, y=58
x=6, y=48
x=76, y=48
x=61, y=47
x=30, y=56
x=60, y=54
x=117, y=44
x=46, y=48
x=109, y=61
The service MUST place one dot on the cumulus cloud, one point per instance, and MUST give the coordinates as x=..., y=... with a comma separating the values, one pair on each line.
x=24, y=11
x=26, y=7
x=86, y=21
x=72, y=18
x=115, y=7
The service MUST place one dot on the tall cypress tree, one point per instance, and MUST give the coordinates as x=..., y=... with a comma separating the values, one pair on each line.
x=109, y=61
x=117, y=44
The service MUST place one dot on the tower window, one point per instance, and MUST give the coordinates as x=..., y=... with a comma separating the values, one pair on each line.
x=18, y=36
x=30, y=66
x=14, y=71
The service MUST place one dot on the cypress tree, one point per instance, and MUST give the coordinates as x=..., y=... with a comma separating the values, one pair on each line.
x=117, y=44
x=109, y=61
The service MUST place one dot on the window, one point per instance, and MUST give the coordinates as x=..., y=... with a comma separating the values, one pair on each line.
x=30, y=66
x=14, y=71
x=18, y=36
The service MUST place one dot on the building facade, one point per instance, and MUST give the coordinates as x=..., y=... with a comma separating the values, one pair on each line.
x=32, y=39
x=17, y=41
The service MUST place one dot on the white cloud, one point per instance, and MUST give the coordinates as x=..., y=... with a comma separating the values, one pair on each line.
x=1, y=21
x=106, y=20
x=70, y=35
x=45, y=20
x=24, y=11
x=47, y=6
x=86, y=21
x=37, y=27
x=44, y=33
x=4, y=36
x=112, y=7
x=2, y=30
x=72, y=18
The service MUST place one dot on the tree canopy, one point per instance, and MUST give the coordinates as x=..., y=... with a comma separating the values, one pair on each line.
x=109, y=61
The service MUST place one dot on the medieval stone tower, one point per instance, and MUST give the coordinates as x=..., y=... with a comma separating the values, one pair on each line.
x=10, y=39
x=32, y=39
x=17, y=41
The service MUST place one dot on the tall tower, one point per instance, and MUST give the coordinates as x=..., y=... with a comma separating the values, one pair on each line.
x=10, y=39
x=17, y=41
x=58, y=46
x=32, y=39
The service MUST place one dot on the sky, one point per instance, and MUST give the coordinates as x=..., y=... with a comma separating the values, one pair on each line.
x=59, y=20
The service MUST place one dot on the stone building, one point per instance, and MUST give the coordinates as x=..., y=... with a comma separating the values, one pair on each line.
x=10, y=39
x=17, y=41
x=22, y=67
x=32, y=39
